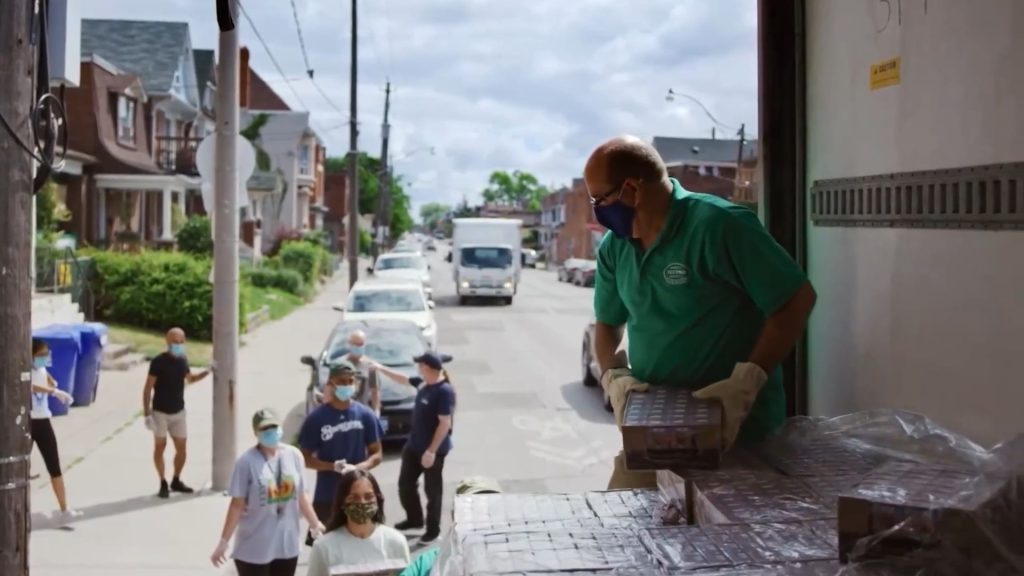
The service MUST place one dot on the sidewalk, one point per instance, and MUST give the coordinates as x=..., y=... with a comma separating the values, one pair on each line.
x=106, y=454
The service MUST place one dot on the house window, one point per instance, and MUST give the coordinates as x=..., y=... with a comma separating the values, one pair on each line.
x=304, y=167
x=125, y=120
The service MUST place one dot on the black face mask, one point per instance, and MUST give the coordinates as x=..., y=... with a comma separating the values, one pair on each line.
x=616, y=217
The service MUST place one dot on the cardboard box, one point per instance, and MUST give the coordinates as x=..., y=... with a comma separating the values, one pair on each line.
x=817, y=457
x=735, y=545
x=678, y=484
x=668, y=428
x=637, y=507
x=518, y=508
x=747, y=497
x=903, y=508
x=552, y=551
x=828, y=488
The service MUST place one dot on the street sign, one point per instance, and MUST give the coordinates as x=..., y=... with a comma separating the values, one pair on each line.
x=206, y=163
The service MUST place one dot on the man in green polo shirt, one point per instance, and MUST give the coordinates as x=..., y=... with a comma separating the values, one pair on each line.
x=711, y=302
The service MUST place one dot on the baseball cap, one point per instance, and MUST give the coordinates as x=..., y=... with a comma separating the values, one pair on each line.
x=430, y=359
x=341, y=367
x=265, y=418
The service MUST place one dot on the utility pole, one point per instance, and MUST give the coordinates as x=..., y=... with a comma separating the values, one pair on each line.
x=16, y=67
x=739, y=155
x=353, y=162
x=225, y=244
x=384, y=189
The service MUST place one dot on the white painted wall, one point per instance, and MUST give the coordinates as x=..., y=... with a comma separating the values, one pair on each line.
x=926, y=320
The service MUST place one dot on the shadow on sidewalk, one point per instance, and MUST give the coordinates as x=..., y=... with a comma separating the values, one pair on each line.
x=42, y=521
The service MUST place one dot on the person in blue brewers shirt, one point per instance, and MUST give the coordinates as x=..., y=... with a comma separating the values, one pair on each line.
x=428, y=446
x=338, y=436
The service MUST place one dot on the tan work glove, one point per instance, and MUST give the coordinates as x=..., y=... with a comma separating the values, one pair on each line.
x=618, y=383
x=737, y=394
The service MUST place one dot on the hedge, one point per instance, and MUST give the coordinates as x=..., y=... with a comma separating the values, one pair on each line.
x=304, y=258
x=157, y=290
x=281, y=278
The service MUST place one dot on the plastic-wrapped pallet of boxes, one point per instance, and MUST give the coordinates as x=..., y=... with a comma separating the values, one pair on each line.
x=875, y=493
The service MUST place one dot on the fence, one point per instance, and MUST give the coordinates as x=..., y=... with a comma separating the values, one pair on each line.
x=62, y=271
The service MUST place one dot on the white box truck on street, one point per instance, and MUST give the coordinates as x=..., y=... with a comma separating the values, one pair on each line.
x=486, y=257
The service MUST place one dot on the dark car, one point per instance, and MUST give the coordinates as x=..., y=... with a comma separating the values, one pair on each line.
x=585, y=273
x=588, y=360
x=393, y=343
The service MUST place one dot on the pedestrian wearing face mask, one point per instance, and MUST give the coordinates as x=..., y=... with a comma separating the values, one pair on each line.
x=338, y=436
x=710, y=300
x=41, y=428
x=163, y=403
x=268, y=496
x=356, y=536
x=368, y=386
x=428, y=446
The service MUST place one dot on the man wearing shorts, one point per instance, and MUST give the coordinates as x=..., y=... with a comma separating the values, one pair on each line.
x=163, y=401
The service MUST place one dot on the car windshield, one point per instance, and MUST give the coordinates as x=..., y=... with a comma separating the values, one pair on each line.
x=386, y=300
x=486, y=257
x=389, y=346
x=403, y=262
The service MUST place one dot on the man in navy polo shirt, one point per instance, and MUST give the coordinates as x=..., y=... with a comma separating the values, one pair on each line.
x=338, y=436
x=428, y=445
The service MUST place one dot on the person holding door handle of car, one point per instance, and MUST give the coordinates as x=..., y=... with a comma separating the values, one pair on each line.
x=338, y=436
x=711, y=301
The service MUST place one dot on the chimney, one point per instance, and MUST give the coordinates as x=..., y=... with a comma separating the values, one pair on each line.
x=243, y=77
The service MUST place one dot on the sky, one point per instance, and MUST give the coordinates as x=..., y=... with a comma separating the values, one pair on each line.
x=484, y=85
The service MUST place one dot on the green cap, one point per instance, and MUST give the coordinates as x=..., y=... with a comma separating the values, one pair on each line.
x=265, y=418
x=478, y=485
x=342, y=367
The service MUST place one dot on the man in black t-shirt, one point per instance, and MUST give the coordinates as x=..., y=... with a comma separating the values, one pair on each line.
x=163, y=402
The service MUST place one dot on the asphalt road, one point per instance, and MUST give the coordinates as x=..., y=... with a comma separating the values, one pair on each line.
x=524, y=418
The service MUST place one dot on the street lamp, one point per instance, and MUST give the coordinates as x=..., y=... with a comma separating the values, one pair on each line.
x=742, y=132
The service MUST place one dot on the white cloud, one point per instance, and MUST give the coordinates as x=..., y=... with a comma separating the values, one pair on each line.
x=531, y=85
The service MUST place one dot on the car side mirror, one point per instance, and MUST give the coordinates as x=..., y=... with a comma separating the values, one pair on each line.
x=446, y=358
x=308, y=361
x=369, y=270
x=448, y=258
x=338, y=307
x=430, y=304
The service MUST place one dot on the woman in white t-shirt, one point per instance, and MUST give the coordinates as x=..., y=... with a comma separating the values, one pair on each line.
x=44, y=386
x=357, y=541
x=268, y=497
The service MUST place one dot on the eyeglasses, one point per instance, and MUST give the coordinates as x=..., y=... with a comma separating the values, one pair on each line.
x=603, y=199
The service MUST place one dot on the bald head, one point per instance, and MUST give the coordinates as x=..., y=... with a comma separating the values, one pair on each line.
x=620, y=159
x=357, y=338
x=175, y=336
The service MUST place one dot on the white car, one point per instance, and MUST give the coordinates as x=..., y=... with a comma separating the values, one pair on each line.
x=404, y=265
x=391, y=299
x=529, y=258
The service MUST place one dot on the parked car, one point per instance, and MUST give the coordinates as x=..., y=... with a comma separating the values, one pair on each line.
x=529, y=258
x=588, y=360
x=403, y=265
x=585, y=273
x=566, y=269
x=393, y=343
x=391, y=299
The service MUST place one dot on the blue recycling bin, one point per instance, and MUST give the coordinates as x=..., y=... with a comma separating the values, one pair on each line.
x=65, y=344
x=87, y=373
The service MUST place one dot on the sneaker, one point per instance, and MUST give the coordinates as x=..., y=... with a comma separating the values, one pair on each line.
x=408, y=525
x=68, y=516
x=165, y=491
x=430, y=536
x=179, y=486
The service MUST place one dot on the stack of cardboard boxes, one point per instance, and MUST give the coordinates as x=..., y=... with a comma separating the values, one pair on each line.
x=797, y=504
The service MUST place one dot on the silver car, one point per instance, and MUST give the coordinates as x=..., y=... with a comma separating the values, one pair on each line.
x=591, y=370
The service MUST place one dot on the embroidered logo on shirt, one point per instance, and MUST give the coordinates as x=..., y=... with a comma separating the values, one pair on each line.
x=676, y=274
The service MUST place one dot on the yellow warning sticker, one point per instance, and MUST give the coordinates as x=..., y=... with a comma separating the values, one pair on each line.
x=885, y=73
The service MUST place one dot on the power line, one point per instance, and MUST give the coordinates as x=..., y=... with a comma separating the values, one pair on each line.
x=302, y=43
x=672, y=94
x=271, y=55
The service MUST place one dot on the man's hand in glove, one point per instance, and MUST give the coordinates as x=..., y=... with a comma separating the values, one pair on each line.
x=737, y=394
x=617, y=384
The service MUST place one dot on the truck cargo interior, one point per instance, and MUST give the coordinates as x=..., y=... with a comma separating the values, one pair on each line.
x=891, y=135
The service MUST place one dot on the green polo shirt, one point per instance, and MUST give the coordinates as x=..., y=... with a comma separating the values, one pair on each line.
x=695, y=303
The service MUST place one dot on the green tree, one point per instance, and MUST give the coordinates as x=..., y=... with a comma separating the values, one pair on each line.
x=369, y=191
x=517, y=188
x=433, y=213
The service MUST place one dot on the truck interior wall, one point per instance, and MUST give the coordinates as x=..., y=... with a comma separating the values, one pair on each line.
x=929, y=320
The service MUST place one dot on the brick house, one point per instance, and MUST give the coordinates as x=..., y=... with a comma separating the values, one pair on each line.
x=709, y=165
x=335, y=201
x=568, y=227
